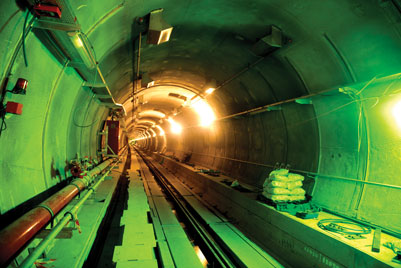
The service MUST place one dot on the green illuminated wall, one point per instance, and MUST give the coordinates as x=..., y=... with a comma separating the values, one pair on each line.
x=37, y=145
x=372, y=156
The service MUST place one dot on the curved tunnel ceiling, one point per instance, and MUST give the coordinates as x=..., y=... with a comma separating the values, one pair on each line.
x=213, y=40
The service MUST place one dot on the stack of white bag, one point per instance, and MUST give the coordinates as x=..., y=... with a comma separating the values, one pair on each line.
x=282, y=186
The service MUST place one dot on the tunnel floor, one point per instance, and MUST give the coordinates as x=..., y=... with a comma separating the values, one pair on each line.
x=146, y=228
x=159, y=217
x=155, y=211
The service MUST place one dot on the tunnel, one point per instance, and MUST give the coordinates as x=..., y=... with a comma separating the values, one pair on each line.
x=183, y=133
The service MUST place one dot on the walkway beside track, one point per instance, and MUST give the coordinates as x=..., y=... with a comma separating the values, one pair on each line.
x=236, y=247
x=153, y=237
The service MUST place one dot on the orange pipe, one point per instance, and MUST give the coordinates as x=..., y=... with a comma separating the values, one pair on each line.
x=20, y=232
x=15, y=236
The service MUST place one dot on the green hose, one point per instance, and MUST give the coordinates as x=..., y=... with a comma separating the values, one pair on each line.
x=23, y=38
x=333, y=225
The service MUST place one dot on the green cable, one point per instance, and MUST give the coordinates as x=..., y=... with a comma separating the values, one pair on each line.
x=332, y=225
x=23, y=38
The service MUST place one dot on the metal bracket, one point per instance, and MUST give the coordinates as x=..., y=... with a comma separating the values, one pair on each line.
x=50, y=211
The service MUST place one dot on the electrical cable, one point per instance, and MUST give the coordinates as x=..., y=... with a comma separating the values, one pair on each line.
x=21, y=43
x=3, y=122
x=91, y=45
x=23, y=38
x=93, y=82
x=84, y=126
x=333, y=225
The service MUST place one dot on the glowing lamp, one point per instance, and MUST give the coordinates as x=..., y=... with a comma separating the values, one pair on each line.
x=175, y=127
x=210, y=90
x=161, y=131
x=82, y=49
x=397, y=113
x=204, y=111
x=159, y=30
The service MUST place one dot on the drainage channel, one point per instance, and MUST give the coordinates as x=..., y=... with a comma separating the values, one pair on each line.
x=204, y=240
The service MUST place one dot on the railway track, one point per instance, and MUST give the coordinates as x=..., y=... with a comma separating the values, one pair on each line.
x=221, y=243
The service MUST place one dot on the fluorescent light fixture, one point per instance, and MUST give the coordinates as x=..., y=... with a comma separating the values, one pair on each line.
x=151, y=113
x=140, y=138
x=145, y=121
x=159, y=30
x=210, y=90
x=151, y=84
x=210, y=86
x=153, y=132
x=82, y=49
x=175, y=127
x=397, y=113
x=204, y=111
x=78, y=41
x=146, y=80
x=160, y=130
x=147, y=134
x=165, y=35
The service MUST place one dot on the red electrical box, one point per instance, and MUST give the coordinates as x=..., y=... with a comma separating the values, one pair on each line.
x=14, y=107
x=112, y=141
x=47, y=10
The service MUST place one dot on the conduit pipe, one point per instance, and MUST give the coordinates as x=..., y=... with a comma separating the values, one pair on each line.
x=20, y=232
x=29, y=261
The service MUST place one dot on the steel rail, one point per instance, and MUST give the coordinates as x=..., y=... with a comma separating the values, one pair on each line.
x=214, y=248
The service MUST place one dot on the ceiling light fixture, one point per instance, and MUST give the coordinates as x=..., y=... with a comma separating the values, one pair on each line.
x=204, y=111
x=82, y=49
x=210, y=90
x=146, y=80
x=159, y=30
x=396, y=111
x=161, y=131
x=175, y=127
x=210, y=86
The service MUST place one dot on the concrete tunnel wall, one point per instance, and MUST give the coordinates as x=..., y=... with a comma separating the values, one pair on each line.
x=60, y=118
x=346, y=135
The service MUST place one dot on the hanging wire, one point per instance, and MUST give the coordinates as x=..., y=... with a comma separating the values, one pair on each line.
x=26, y=29
x=93, y=82
x=24, y=33
x=91, y=45
x=84, y=126
x=3, y=122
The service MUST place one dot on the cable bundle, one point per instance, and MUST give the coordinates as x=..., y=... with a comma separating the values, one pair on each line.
x=333, y=225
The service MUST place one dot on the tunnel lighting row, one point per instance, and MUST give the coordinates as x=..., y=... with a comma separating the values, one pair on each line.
x=210, y=90
x=143, y=137
x=161, y=131
x=200, y=106
x=175, y=127
x=205, y=112
x=207, y=117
